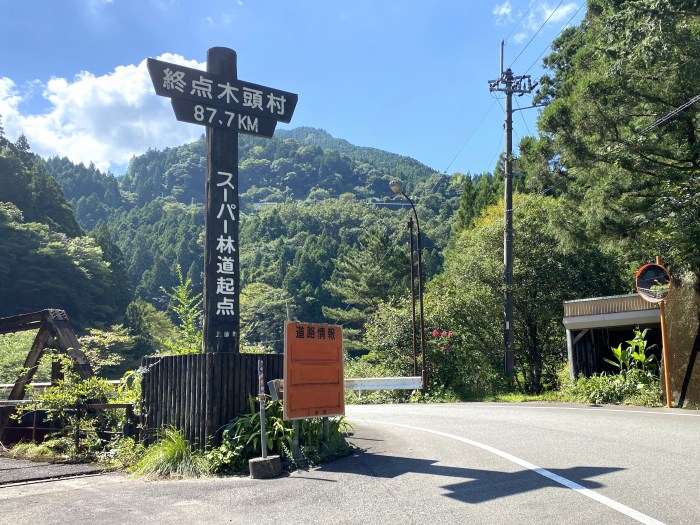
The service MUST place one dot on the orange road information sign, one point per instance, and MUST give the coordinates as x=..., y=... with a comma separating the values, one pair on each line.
x=313, y=370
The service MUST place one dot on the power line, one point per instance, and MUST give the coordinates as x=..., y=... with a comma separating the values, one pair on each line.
x=670, y=115
x=520, y=19
x=476, y=128
x=559, y=33
x=523, y=117
x=469, y=137
x=638, y=135
x=495, y=157
x=537, y=32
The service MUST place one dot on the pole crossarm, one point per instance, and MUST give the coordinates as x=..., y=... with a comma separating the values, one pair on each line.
x=508, y=83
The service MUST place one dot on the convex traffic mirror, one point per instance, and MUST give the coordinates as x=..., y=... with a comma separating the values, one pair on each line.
x=653, y=283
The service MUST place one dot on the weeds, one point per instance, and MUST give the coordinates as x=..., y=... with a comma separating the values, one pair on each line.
x=241, y=439
x=172, y=457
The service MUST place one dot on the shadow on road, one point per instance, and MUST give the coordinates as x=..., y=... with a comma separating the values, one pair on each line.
x=475, y=485
x=23, y=471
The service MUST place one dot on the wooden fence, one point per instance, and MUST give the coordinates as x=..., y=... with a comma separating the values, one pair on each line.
x=201, y=393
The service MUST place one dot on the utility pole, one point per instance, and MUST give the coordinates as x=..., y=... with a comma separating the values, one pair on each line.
x=509, y=84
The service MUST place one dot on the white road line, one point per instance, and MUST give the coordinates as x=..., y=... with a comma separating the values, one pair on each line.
x=615, y=505
x=675, y=412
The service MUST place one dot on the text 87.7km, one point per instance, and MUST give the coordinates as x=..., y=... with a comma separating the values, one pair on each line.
x=216, y=117
x=228, y=119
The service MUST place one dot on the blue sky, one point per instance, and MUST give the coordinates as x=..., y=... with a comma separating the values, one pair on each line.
x=401, y=75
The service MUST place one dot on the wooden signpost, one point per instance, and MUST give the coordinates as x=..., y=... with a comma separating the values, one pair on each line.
x=226, y=106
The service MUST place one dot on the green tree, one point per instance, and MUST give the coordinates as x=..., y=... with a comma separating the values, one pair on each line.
x=40, y=268
x=3, y=140
x=36, y=193
x=121, y=289
x=622, y=122
x=187, y=308
x=263, y=311
x=149, y=327
x=466, y=212
x=466, y=301
x=363, y=277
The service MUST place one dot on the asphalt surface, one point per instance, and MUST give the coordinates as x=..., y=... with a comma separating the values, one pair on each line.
x=13, y=471
x=424, y=464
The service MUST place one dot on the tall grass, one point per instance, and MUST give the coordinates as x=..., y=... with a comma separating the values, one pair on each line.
x=172, y=457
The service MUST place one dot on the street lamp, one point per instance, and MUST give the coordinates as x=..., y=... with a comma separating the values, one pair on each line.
x=396, y=188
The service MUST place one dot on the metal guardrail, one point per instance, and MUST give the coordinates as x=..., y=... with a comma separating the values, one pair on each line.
x=384, y=383
x=357, y=384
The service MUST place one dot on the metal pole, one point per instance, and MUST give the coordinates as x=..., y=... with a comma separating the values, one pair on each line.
x=664, y=348
x=413, y=297
x=396, y=188
x=509, y=357
x=261, y=383
x=296, y=449
x=500, y=72
x=424, y=373
x=509, y=84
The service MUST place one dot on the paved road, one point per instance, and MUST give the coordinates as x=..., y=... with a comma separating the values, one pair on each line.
x=457, y=463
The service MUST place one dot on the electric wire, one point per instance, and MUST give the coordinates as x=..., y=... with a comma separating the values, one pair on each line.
x=523, y=117
x=638, y=135
x=536, y=33
x=476, y=128
x=559, y=33
x=495, y=157
x=517, y=24
x=670, y=115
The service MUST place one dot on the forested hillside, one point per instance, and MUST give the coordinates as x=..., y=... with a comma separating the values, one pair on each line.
x=611, y=180
x=317, y=214
x=154, y=212
x=46, y=260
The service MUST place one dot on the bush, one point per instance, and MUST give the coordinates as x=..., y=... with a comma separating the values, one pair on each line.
x=635, y=387
x=13, y=352
x=98, y=432
x=241, y=439
x=61, y=403
x=33, y=451
x=172, y=457
x=122, y=453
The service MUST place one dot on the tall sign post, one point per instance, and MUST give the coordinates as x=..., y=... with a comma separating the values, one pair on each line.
x=215, y=98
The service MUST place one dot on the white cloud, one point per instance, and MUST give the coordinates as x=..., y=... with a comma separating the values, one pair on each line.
x=223, y=20
x=503, y=12
x=9, y=99
x=519, y=38
x=97, y=6
x=105, y=120
x=542, y=13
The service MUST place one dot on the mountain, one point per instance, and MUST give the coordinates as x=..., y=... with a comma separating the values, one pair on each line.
x=307, y=199
x=46, y=260
x=410, y=170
